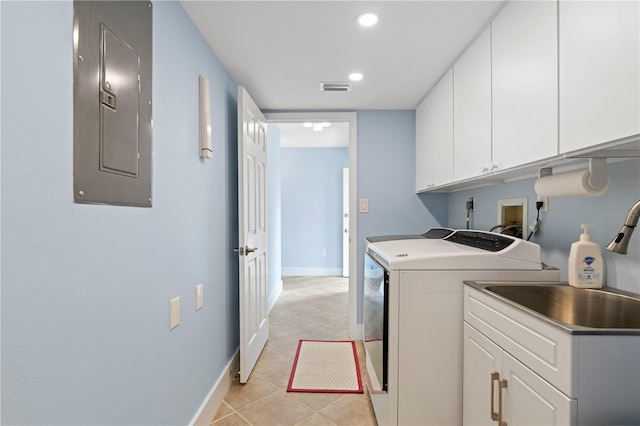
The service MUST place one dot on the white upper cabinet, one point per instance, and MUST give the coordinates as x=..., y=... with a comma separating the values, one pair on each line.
x=525, y=83
x=472, y=110
x=423, y=171
x=545, y=79
x=434, y=136
x=599, y=72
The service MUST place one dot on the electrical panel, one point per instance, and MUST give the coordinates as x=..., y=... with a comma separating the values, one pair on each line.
x=112, y=89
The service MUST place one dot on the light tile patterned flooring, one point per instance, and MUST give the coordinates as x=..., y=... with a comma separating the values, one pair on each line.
x=309, y=308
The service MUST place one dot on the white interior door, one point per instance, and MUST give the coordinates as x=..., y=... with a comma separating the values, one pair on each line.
x=345, y=222
x=252, y=219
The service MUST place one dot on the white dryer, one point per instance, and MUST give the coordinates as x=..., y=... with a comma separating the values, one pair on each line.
x=413, y=317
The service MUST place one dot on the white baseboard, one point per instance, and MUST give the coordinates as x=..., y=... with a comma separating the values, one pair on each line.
x=214, y=399
x=275, y=295
x=312, y=272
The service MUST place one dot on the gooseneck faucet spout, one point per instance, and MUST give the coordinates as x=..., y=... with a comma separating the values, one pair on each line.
x=620, y=243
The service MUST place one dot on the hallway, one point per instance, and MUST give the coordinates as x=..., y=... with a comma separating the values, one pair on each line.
x=314, y=308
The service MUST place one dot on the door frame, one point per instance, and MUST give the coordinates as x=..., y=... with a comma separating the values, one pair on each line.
x=355, y=331
x=345, y=211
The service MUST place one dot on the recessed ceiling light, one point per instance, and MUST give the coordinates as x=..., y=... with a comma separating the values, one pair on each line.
x=307, y=124
x=356, y=76
x=367, y=19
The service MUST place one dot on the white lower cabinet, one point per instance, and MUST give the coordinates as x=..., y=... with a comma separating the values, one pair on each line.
x=519, y=369
x=498, y=389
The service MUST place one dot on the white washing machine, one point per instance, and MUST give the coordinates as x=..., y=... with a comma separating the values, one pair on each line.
x=413, y=317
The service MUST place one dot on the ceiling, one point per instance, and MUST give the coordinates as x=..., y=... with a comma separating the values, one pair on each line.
x=281, y=51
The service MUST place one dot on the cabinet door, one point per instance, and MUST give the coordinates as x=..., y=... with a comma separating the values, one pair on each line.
x=441, y=128
x=530, y=400
x=423, y=169
x=472, y=110
x=436, y=135
x=481, y=358
x=599, y=72
x=525, y=83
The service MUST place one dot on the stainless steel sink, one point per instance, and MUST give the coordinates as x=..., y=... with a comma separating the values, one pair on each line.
x=601, y=308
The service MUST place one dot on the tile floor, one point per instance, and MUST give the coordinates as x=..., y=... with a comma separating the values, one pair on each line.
x=308, y=308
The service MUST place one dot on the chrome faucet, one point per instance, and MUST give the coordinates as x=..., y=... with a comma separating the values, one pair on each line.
x=620, y=243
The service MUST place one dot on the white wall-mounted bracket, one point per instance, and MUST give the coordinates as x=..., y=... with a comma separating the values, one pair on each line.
x=206, y=150
x=598, y=179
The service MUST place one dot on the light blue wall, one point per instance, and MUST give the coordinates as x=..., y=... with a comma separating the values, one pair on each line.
x=312, y=210
x=86, y=289
x=386, y=177
x=561, y=225
x=274, y=213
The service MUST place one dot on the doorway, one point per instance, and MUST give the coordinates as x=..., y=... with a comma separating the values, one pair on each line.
x=350, y=119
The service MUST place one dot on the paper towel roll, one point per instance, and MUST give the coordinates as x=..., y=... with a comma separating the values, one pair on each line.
x=567, y=185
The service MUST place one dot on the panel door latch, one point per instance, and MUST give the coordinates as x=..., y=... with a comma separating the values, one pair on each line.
x=108, y=99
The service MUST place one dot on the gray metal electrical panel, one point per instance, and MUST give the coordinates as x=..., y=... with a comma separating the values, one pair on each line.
x=112, y=66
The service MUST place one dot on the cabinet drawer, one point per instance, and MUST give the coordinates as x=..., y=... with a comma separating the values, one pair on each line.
x=541, y=347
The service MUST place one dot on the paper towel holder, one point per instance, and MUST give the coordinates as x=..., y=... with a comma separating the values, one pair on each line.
x=597, y=179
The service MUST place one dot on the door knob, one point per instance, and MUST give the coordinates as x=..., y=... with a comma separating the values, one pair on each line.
x=245, y=250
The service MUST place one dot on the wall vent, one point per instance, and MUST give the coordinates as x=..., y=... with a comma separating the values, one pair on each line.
x=335, y=87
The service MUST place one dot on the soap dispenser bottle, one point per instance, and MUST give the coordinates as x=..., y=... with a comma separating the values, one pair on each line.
x=585, y=262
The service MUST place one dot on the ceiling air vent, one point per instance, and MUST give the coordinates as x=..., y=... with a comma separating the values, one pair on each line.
x=335, y=87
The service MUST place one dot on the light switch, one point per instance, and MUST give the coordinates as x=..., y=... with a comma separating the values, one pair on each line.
x=174, y=312
x=198, y=296
x=364, y=205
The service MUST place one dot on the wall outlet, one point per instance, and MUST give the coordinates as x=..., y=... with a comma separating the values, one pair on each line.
x=545, y=204
x=199, y=299
x=471, y=204
x=324, y=252
x=174, y=313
